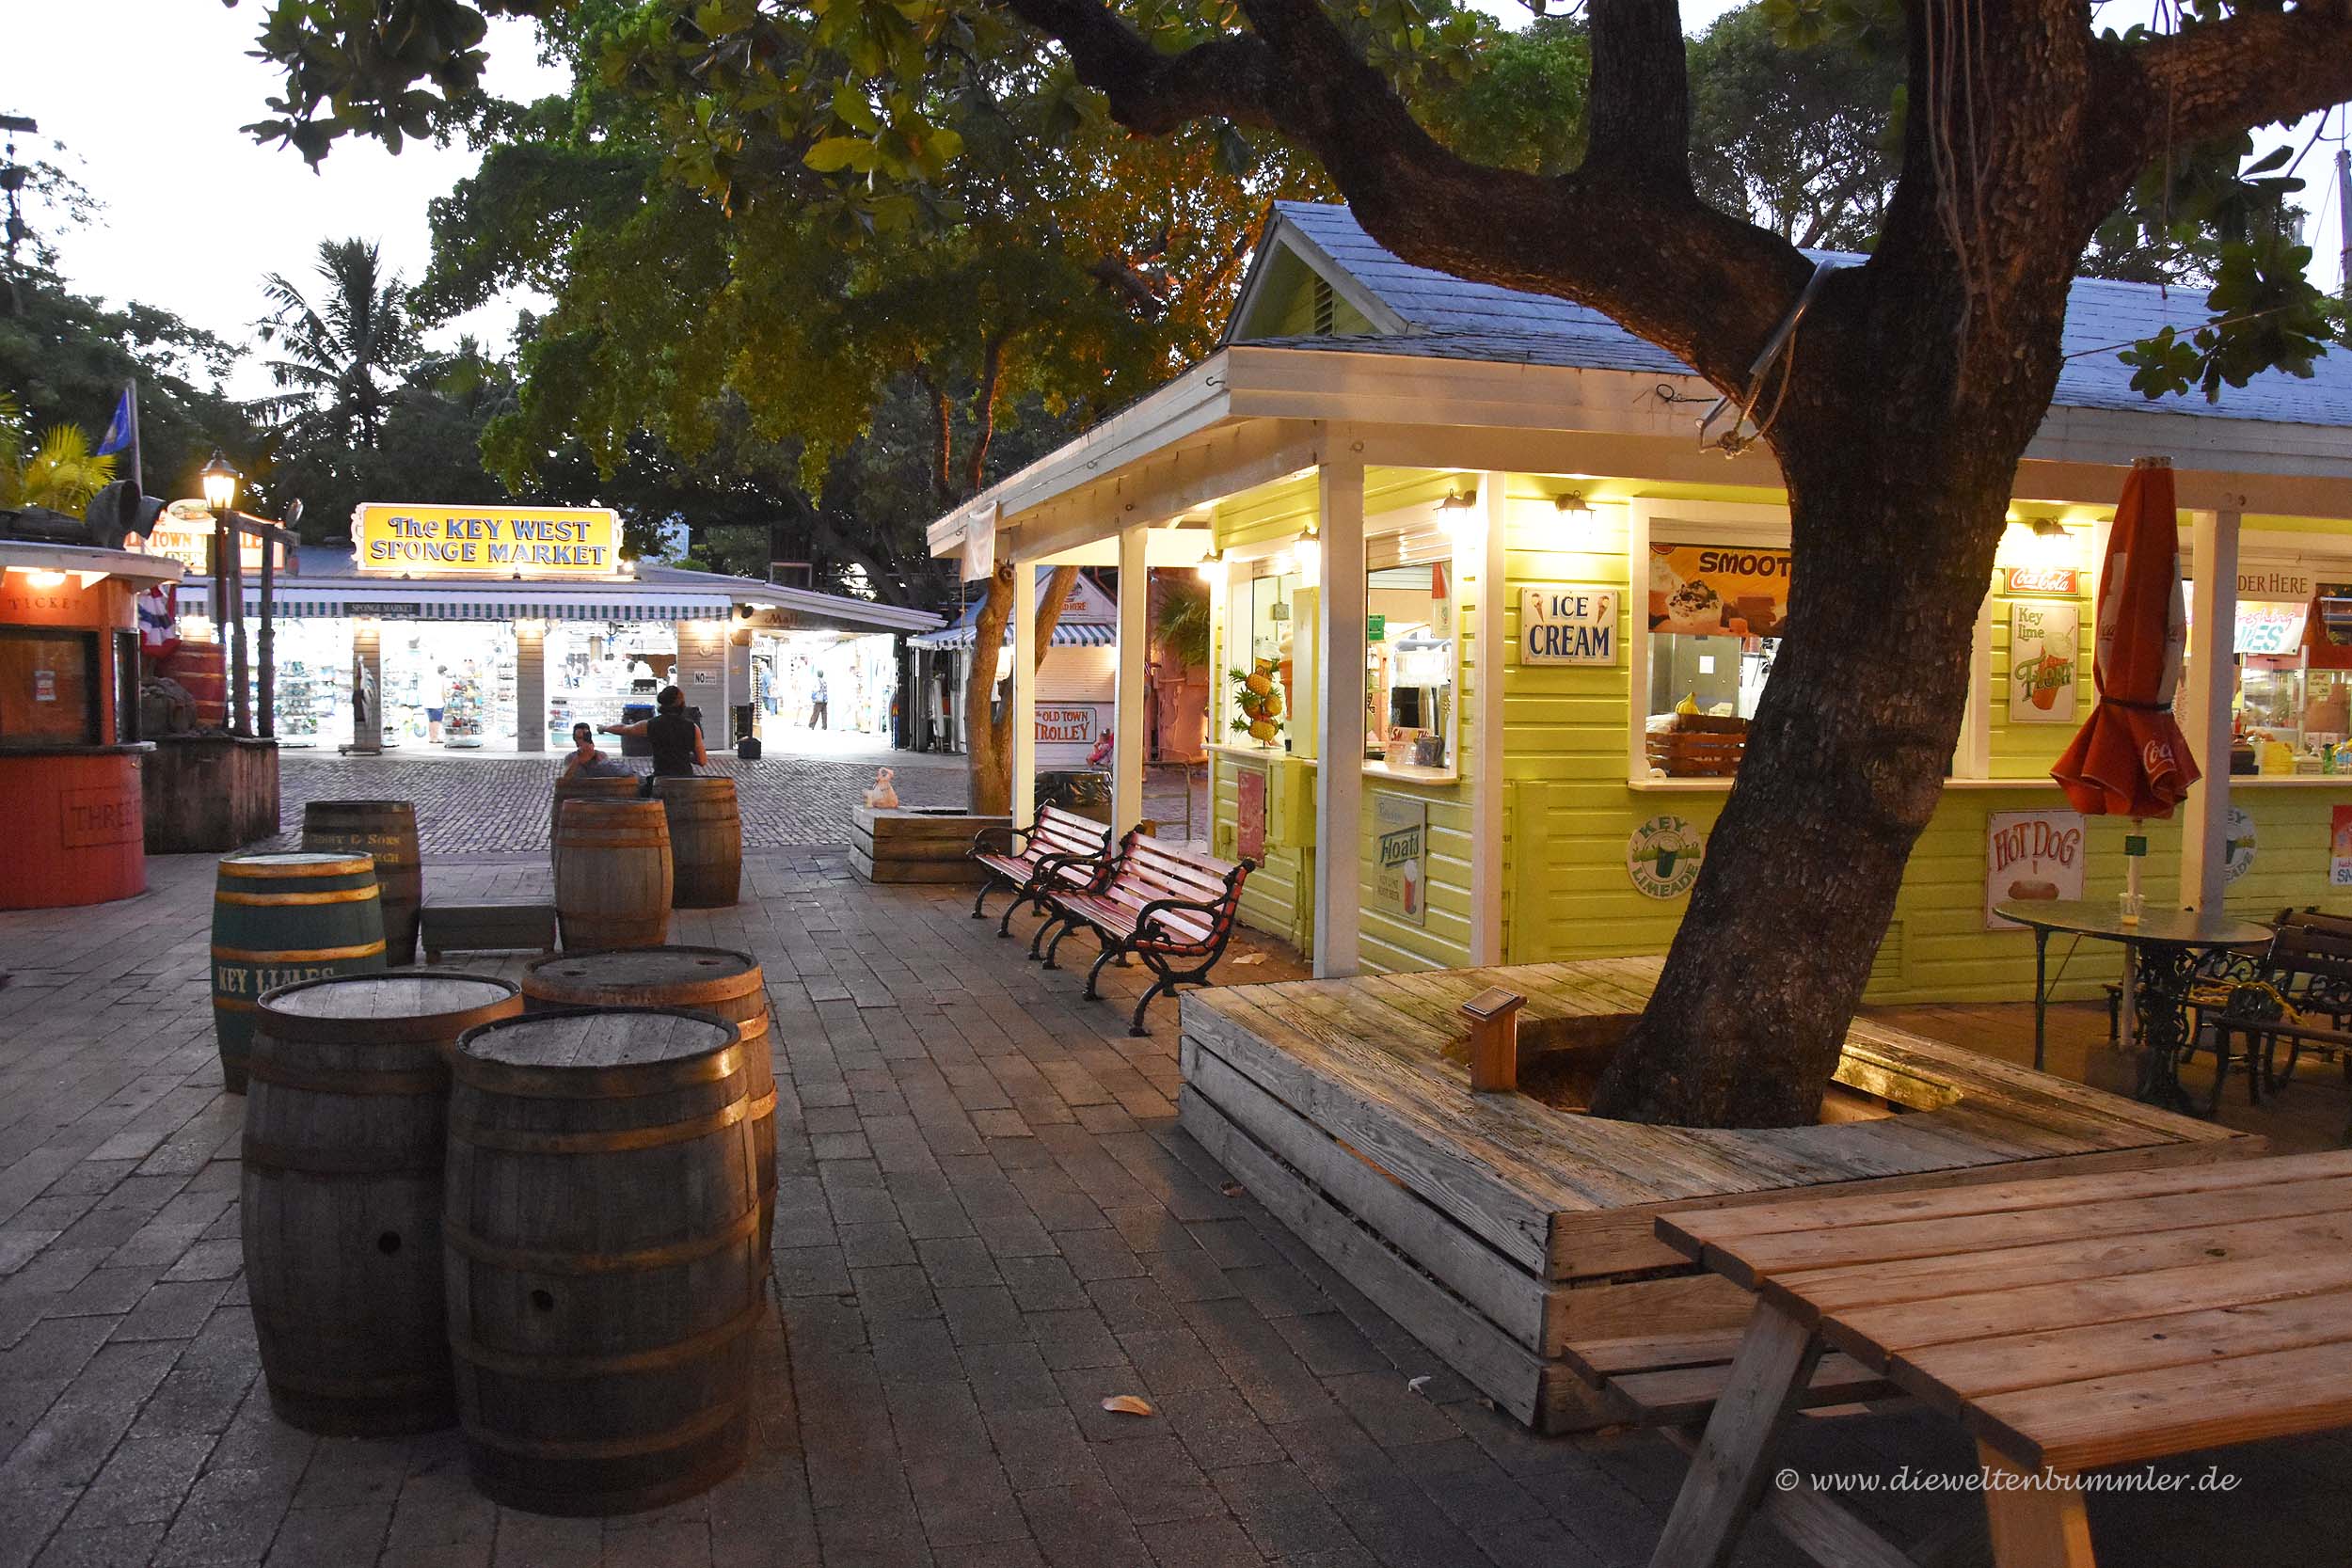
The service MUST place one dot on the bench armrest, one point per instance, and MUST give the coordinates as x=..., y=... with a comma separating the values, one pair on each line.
x=1011, y=836
x=1151, y=912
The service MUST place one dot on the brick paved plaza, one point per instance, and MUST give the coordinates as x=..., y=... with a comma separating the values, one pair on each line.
x=988, y=1222
x=495, y=805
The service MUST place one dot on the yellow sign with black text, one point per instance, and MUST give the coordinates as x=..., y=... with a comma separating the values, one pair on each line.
x=486, y=541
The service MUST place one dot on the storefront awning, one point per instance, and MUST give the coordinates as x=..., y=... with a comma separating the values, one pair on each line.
x=1082, y=635
x=296, y=599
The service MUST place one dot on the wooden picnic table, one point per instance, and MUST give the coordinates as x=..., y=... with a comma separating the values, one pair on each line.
x=2068, y=1324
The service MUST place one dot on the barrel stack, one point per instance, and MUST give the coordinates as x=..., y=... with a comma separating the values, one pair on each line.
x=603, y=1269
x=388, y=831
x=345, y=1128
x=706, y=840
x=613, y=876
x=720, y=981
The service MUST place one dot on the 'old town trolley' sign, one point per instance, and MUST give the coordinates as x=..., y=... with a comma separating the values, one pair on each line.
x=395, y=540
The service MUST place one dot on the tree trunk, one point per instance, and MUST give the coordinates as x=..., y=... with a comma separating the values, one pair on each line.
x=1845, y=764
x=987, y=734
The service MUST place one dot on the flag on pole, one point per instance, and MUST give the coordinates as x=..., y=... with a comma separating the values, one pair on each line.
x=123, y=432
x=118, y=429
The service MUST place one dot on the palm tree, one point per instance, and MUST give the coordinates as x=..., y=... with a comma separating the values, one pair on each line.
x=341, y=358
x=61, y=473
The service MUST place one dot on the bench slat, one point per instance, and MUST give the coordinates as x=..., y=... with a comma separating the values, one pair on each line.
x=1676, y=1395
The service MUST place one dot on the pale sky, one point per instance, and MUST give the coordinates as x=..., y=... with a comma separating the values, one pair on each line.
x=148, y=96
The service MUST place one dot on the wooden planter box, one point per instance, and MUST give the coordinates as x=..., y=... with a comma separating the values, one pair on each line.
x=1498, y=1229
x=210, y=793
x=905, y=845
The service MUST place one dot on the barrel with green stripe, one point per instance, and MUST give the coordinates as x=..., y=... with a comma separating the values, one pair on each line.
x=279, y=919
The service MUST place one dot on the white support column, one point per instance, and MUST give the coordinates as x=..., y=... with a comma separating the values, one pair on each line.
x=1024, y=691
x=1134, y=637
x=1340, y=722
x=2212, y=667
x=531, y=686
x=367, y=674
x=1485, y=756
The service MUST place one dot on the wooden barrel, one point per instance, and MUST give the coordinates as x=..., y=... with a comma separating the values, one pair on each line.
x=202, y=669
x=629, y=788
x=278, y=919
x=388, y=831
x=715, y=980
x=344, y=1125
x=612, y=875
x=706, y=840
x=603, y=1275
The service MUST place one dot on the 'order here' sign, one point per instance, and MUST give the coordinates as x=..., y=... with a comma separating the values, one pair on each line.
x=489, y=540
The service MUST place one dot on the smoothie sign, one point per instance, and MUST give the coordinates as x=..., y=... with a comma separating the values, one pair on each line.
x=1716, y=591
x=486, y=541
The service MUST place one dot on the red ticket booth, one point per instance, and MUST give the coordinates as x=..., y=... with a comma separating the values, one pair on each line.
x=73, y=824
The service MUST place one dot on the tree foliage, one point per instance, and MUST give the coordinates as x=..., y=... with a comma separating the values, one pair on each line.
x=65, y=357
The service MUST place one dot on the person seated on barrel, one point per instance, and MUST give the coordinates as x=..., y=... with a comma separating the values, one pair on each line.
x=676, y=740
x=586, y=762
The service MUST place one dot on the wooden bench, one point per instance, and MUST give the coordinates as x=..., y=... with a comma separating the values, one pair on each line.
x=1059, y=851
x=2298, y=992
x=1170, y=908
x=485, y=929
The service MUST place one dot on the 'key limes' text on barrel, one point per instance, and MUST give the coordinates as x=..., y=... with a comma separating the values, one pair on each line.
x=281, y=918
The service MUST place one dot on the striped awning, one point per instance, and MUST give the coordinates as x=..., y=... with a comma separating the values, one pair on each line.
x=1086, y=634
x=296, y=600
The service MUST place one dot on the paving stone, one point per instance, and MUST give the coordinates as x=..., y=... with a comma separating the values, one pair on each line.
x=116, y=1547
x=142, y=1484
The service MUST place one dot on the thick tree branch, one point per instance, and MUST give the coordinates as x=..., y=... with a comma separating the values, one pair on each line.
x=984, y=412
x=1624, y=233
x=2254, y=68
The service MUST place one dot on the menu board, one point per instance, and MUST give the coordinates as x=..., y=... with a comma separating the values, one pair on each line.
x=1717, y=590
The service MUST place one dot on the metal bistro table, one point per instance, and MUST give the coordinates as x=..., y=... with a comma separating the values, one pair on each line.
x=2162, y=948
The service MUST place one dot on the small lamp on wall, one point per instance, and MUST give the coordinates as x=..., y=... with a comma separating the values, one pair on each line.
x=1212, y=569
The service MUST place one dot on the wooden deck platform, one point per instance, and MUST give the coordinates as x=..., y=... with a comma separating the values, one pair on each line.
x=1501, y=1232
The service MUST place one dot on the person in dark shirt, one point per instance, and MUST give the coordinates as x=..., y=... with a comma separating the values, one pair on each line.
x=676, y=739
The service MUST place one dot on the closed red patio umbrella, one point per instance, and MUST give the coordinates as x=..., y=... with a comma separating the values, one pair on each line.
x=2129, y=758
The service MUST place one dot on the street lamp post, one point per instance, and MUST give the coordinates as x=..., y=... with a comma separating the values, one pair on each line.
x=220, y=494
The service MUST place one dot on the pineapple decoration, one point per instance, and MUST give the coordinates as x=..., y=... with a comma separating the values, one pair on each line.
x=1259, y=696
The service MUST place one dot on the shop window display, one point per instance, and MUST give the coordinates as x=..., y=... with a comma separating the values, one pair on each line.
x=1409, y=674
x=1715, y=615
x=1261, y=684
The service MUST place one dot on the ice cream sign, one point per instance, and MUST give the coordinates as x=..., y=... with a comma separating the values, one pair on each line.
x=1563, y=623
x=394, y=540
x=1718, y=590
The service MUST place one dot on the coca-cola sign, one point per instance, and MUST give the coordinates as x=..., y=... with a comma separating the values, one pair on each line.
x=2063, y=582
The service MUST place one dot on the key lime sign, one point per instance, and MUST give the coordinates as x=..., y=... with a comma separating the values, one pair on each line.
x=398, y=539
x=1662, y=857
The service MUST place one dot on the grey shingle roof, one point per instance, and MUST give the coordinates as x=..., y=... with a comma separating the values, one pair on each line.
x=1449, y=317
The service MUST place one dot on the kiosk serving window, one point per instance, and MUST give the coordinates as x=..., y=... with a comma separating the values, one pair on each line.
x=1258, y=694
x=48, y=688
x=1409, y=674
x=1715, y=619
